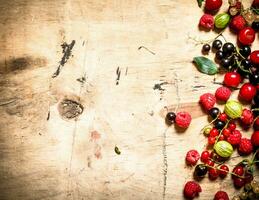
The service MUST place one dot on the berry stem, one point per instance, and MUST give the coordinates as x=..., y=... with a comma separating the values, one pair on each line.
x=220, y=133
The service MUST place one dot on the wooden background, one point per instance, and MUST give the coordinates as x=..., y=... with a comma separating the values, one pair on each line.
x=75, y=159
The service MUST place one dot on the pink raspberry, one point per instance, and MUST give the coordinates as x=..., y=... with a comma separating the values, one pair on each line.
x=207, y=21
x=192, y=189
x=235, y=137
x=183, y=119
x=222, y=93
x=247, y=117
x=238, y=23
x=221, y=195
x=192, y=157
x=208, y=101
x=245, y=146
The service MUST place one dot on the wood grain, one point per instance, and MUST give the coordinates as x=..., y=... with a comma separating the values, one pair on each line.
x=44, y=156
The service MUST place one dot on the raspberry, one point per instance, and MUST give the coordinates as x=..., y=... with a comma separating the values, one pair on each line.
x=222, y=93
x=238, y=23
x=255, y=139
x=192, y=157
x=183, y=119
x=245, y=146
x=192, y=189
x=207, y=21
x=207, y=100
x=221, y=195
x=247, y=117
x=235, y=137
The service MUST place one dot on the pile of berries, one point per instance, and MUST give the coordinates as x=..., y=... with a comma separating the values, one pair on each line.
x=242, y=70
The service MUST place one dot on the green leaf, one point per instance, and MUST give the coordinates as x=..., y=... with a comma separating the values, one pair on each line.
x=205, y=65
x=200, y=2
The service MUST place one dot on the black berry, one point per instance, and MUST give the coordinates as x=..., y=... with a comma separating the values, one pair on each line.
x=219, y=124
x=246, y=64
x=170, y=117
x=200, y=170
x=254, y=78
x=205, y=47
x=256, y=99
x=245, y=51
x=214, y=112
x=217, y=44
x=220, y=55
x=228, y=48
x=255, y=26
x=226, y=63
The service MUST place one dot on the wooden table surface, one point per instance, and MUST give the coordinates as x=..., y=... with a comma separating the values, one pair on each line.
x=131, y=61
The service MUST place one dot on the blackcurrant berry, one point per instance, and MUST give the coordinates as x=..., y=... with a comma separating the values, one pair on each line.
x=245, y=51
x=254, y=78
x=246, y=64
x=255, y=26
x=205, y=47
x=220, y=55
x=217, y=44
x=225, y=62
x=170, y=117
x=228, y=48
x=219, y=124
x=214, y=112
x=256, y=99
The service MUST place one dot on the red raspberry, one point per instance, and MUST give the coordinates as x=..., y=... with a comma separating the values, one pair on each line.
x=247, y=117
x=255, y=139
x=245, y=146
x=213, y=173
x=223, y=171
x=205, y=156
x=238, y=23
x=222, y=93
x=183, y=119
x=207, y=100
x=226, y=132
x=211, y=5
x=221, y=195
x=223, y=117
x=192, y=157
x=232, y=79
x=235, y=137
x=192, y=189
x=207, y=21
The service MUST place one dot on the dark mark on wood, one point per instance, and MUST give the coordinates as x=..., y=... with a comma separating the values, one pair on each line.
x=48, y=115
x=70, y=109
x=67, y=50
x=81, y=80
x=118, y=73
x=143, y=47
x=117, y=150
x=199, y=86
x=158, y=86
x=126, y=73
x=7, y=102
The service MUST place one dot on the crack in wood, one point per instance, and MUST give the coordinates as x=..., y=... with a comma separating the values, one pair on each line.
x=165, y=163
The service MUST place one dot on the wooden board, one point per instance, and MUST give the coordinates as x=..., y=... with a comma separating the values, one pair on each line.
x=44, y=156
